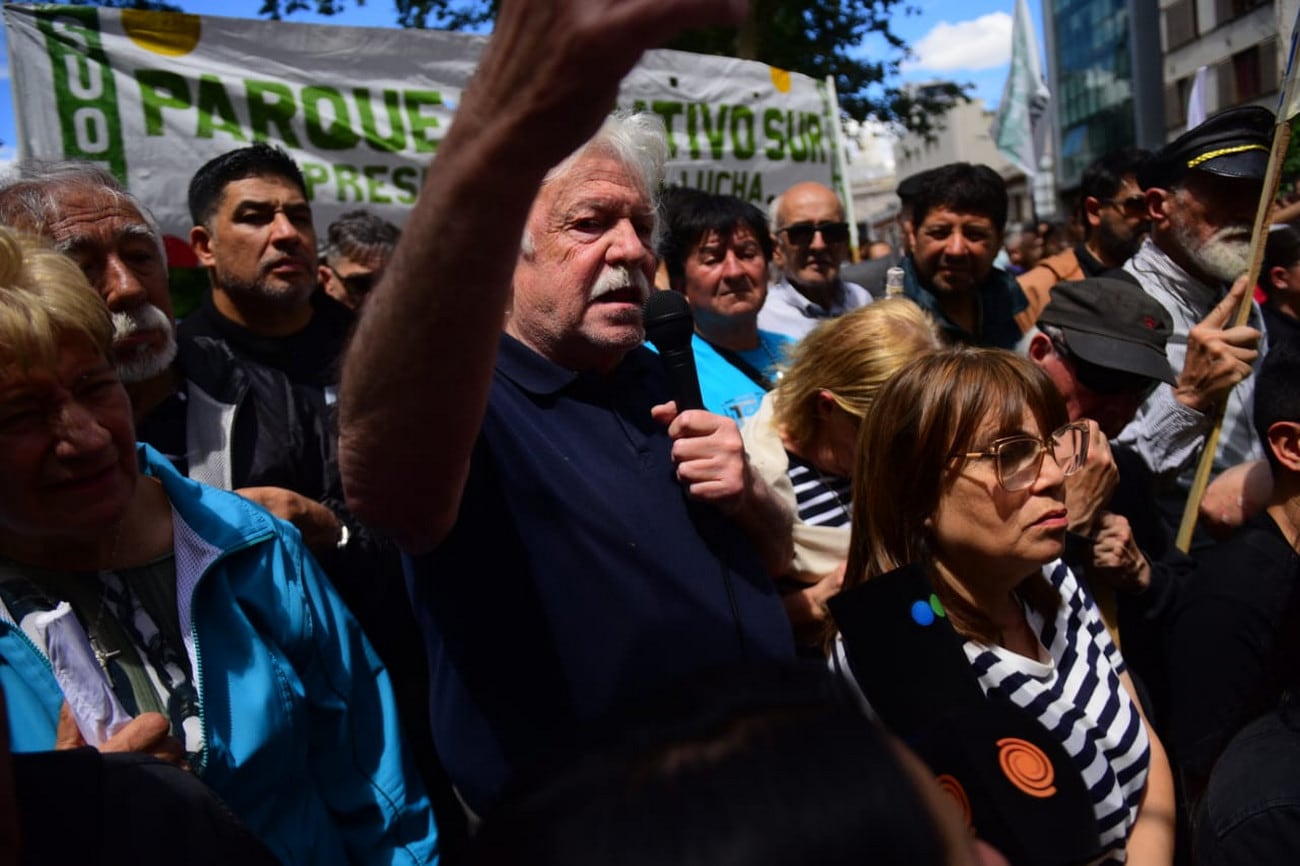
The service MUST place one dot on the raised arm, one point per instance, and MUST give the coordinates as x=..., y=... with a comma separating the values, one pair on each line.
x=416, y=378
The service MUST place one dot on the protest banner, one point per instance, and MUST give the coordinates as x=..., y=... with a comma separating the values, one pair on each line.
x=154, y=95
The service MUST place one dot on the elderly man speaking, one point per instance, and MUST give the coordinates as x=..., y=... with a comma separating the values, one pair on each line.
x=573, y=540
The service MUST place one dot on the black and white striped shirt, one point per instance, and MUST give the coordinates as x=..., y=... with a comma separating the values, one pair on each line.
x=822, y=499
x=1077, y=695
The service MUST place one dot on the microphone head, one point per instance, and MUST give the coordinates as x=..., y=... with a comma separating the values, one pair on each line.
x=668, y=320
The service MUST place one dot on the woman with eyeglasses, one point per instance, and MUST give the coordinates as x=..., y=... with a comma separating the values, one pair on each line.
x=960, y=474
x=803, y=438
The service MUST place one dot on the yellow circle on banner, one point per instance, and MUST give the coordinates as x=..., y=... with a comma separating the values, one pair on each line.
x=781, y=79
x=172, y=34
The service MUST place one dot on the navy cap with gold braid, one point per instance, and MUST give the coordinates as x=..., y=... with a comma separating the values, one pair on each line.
x=1232, y=143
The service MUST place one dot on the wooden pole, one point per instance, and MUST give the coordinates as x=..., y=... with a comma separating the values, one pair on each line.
x=1259, y=237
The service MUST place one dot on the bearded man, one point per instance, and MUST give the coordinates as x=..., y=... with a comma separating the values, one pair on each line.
x=1202, y=190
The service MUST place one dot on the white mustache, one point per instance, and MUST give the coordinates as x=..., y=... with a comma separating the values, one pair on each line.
x=145, y=317
x=613, y=278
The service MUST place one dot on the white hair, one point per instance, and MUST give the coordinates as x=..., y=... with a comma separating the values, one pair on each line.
x=774, y=214
x=639, y=141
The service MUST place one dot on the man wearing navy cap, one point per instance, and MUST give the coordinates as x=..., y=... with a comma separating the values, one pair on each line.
x=1202, y=190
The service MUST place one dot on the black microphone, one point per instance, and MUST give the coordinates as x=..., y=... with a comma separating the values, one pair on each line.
x=669, y=325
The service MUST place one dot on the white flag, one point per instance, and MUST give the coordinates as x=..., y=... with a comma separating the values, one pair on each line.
x=1288, y=102
x=1196, y=98
x=1020, y=128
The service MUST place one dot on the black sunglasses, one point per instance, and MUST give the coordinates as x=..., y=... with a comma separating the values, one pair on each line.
x=356, y=284
x=1134, y=205
x=801, y=234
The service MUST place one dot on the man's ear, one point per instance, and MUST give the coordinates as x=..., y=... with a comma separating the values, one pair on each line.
x=825, y=404
x=1040, y=346
x=1277, y=277
x=1092, y=211
x=1284, y=442
x=1158, y=203
x=201, y=243
x=778, y=256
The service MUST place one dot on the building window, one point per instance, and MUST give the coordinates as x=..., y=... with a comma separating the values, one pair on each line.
x=1251, y=73
x=1176, y=102
x=1180, y=23
x=1228, y=10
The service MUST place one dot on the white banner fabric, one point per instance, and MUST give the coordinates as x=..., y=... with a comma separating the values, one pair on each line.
x=154, y=95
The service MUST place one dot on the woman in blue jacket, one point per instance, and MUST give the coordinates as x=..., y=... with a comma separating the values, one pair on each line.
x=142, y=611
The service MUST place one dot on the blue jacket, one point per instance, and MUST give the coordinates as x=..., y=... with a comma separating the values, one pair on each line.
x=300, y=729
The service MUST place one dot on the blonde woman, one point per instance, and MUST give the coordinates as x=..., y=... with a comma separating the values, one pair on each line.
x=118, y=576
x=803, y=438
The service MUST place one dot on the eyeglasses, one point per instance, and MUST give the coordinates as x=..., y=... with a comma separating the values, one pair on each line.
x=1133, y=206
x=1019, y=458
x=356, y=284
x=801, y=234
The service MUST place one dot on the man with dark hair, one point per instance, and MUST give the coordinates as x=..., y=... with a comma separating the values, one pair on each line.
x=958, y=219
x=265, y=337
x=811, y=242
x=1113, y=211
x=1202, y=190
x=1236, y=651
x=357, y=247
x=253, y=232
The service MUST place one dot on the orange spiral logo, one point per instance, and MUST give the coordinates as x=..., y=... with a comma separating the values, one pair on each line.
x=954, y=789
x=1026, y=767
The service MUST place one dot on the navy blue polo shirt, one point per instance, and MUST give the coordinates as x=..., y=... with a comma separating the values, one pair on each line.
x=578, y=575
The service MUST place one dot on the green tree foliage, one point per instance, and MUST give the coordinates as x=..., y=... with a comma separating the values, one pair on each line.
x=824, y=37
x=814, y=37
x=1291, y=164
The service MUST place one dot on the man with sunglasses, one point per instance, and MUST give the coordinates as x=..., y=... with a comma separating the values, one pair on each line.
x=811, y=241
x=357, y=248
x=1113, y=211
x=1102, y=342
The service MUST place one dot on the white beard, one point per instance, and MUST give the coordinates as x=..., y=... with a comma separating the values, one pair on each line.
x=1224, y=255
x=143, y=363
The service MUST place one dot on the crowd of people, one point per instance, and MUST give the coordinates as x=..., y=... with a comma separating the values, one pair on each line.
x=405, y=546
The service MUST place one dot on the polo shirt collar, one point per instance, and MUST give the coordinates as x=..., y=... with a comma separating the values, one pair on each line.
x=529, y=370
x=538, y=375
x=809, y=309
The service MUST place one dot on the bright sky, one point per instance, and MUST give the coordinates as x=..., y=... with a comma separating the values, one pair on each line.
x=959, y=40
